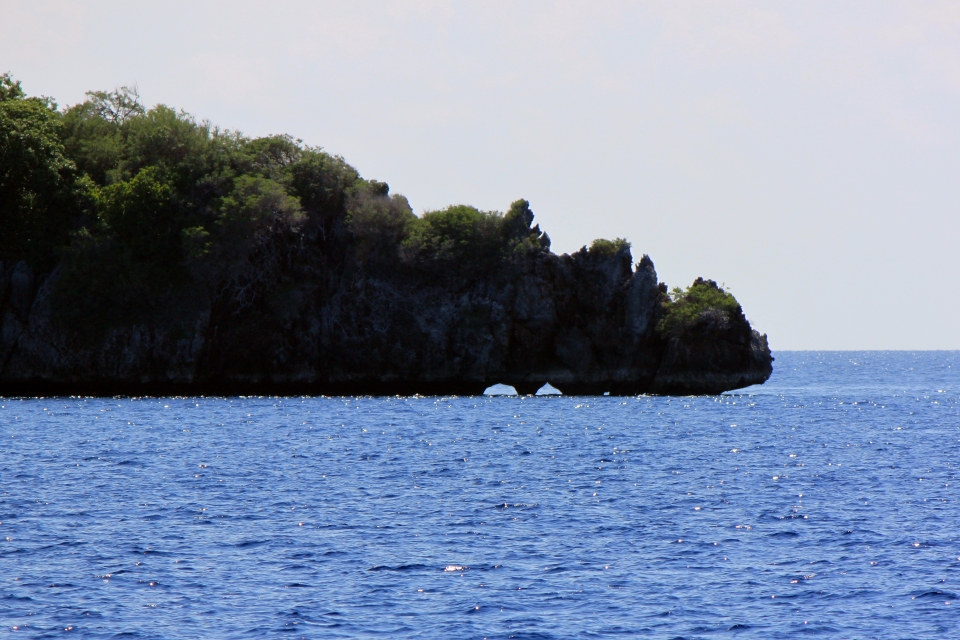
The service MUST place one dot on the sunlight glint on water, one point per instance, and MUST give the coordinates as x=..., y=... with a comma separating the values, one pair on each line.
x=823, y=502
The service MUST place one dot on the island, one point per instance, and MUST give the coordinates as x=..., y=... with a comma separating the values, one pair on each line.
x=145, y=253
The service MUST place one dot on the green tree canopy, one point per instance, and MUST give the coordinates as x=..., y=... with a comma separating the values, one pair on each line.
x=685, y=307
x=470, y=237
x=602, y=247
x=35, y=176
x=10, y=89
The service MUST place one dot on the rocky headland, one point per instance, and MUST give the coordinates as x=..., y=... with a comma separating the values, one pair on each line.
x=146, y=254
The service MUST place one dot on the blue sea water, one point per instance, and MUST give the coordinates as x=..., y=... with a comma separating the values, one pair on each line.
x=822, y=504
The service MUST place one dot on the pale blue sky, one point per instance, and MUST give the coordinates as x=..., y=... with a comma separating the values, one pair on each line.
x=807, y=154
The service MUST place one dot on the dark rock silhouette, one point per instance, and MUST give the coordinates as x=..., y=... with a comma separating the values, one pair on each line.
x=586, y=323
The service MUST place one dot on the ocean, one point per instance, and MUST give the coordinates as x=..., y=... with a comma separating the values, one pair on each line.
x=823, y=503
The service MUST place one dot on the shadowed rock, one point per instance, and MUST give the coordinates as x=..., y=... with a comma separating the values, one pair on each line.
x=585, y=322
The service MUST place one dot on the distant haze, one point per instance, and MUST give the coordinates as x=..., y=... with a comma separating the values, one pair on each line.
x=807, y=154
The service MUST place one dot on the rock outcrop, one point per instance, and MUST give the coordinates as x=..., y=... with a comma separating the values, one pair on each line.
x=145, y=252
x=586, y=323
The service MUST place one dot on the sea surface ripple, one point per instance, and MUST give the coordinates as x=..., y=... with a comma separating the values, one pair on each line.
x=824, y=503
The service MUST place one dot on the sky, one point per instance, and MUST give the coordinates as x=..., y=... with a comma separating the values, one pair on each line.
x=805, y=154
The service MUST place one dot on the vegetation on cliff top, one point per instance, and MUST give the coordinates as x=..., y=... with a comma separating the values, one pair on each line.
x=149, y=212
x=683, y=308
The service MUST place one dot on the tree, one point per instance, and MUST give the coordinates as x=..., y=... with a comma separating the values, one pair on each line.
x=35, y=177
x=685, y=308
x=140, y=214
x=607, y=248
x=10, y=89
x=117, y=105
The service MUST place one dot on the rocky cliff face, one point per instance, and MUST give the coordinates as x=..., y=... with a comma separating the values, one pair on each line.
x=585, y=323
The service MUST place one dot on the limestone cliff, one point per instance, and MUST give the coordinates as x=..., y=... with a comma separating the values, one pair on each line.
x=586, y=323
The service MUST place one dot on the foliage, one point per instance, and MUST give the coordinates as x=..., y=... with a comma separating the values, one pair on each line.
x=321, y=182
x=35, y=176
x=254, y=209
x=271, y=155
x=469, y=237
x=608, y=248
x=182, y=151
x=10, y=89
x=125, y=264
x=457, y=232
x=684, y=308
x=378, y=224
x=141, y=214
x=117, y=105
x=95, y=144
